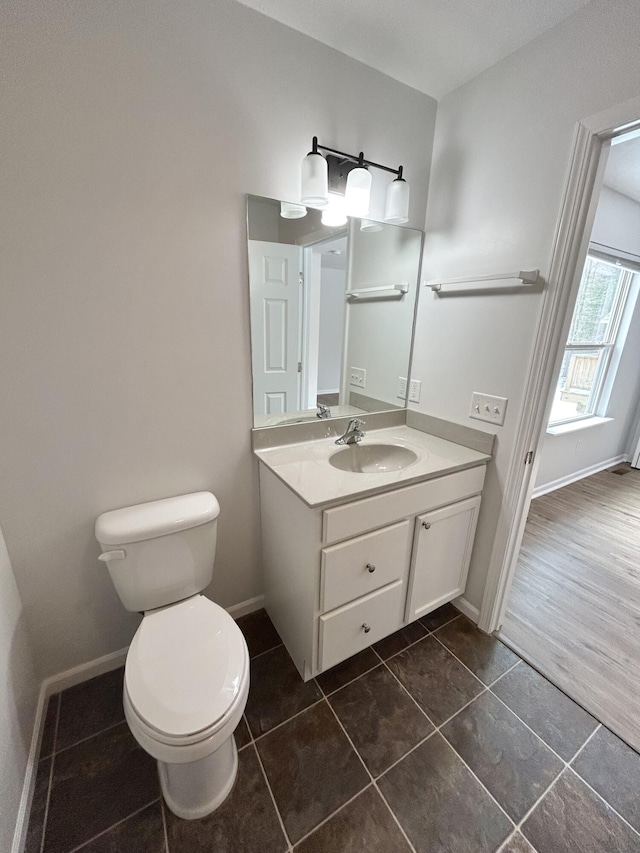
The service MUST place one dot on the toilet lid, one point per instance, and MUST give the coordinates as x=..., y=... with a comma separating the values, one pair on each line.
x=185, y=667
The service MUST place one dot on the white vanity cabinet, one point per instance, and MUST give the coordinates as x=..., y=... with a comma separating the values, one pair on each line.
x=340, y=578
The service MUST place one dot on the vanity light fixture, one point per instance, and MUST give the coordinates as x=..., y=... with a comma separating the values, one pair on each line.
x=335, y=213
x=288, y=210
x=347, y=176
x=370, y=225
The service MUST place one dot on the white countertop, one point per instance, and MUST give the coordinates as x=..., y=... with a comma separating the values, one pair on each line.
x=305, y=468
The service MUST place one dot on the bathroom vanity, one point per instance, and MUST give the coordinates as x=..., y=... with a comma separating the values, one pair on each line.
x=350, y=556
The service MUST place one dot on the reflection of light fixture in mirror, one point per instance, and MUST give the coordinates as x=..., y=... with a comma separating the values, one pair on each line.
x=348, y=176
x=292, y=211
x=334, y=213
x=396, y=208
x=370, y=225
x=315, y=178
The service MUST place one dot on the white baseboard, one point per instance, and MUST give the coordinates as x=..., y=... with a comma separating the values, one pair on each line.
x=469, y=610
x=245, y=607
x=69, y=678
x=24, y=809
x=85, y=671
x=545, y=488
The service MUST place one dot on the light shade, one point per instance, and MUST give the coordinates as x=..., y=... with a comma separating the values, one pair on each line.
x=358, y=192
x=315, y=181
x=334, y=213
x=371, y=225
x=396, y=209
x=292, y=211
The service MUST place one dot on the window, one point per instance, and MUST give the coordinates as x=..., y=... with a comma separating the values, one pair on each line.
x=602, y=296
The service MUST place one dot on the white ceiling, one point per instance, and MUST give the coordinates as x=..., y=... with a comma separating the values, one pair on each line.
x=432, y=45
x=623, y=169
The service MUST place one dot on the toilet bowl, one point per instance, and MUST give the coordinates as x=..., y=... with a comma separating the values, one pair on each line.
x=185, y=688
x=187, y=670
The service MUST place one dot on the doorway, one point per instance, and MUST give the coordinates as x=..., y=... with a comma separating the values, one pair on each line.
x=573, y=607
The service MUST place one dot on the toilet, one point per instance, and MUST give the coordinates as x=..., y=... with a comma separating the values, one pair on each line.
x=186, y=677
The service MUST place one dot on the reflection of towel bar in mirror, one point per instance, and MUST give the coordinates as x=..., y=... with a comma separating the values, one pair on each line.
x=525, y=277
x=377, y=292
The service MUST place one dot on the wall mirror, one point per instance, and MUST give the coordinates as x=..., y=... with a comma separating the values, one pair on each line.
x=332, y=312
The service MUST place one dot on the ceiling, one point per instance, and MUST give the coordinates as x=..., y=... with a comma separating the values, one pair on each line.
x=623, y=169
x=432, y=45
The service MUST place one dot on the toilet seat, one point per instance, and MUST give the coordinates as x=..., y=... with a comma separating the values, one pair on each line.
x=187, y=672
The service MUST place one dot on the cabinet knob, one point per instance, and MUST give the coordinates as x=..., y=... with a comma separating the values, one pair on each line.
x=371, y=568
x=366, y=627
x=426, y=525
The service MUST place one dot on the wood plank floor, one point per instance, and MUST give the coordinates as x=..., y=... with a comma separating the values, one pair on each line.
x=574, y=609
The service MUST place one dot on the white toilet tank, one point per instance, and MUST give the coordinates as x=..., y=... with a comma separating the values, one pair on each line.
x=160, y=552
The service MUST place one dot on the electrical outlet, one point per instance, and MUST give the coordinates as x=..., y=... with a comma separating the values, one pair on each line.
x=402, y=387
x=487, y=407
x=414, y=390
x=358, y=376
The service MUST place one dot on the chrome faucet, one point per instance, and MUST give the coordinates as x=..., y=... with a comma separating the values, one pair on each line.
x=323, y=411
x=353, y=434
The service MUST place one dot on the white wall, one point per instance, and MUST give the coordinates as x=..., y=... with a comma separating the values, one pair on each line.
x=130, y=133
x=380, y=329
x=501, y=155
x=617, y=225
x=18, y=698
x=333, y=284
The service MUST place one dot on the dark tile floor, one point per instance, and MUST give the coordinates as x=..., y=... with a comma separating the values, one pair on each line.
x=436, y=740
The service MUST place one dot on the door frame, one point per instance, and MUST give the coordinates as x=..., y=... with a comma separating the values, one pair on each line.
x=571, y=241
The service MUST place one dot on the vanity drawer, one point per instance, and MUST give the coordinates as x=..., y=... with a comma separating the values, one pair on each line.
x=377, y=511
x=360, y=566
x=343, y=631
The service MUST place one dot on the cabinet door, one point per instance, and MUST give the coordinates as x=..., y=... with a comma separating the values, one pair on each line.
x=441, y=553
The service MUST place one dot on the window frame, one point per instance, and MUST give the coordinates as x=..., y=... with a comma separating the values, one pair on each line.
x=606, y=348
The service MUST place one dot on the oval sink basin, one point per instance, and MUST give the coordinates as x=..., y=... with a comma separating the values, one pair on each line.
x=301, y=420
x=372, y=458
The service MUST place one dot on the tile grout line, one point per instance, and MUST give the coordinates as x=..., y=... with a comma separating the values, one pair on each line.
x=437, y=731
x=549, y=787
x=591, y=788
x=506, y=672
x=489, y=688
x=462, y=663
x=569, y=768
x=273, y=800
x=347, y=683
x=429, y=633
x=593, y=733
x=480, y=782
x=528, y=727
x=251, y=737
x=164, y=825
x=266, y=651
x=113, y=825
x=50, y=785
x=333, y=814
x=89, y=737
x=567, y=765
x=373, y=781
x=284, y=722
x=415, y=701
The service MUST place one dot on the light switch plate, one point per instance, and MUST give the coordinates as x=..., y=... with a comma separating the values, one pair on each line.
x=358, y=376
x=488, y=407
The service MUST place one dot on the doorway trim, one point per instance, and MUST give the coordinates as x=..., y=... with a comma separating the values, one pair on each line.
x=577, y=211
